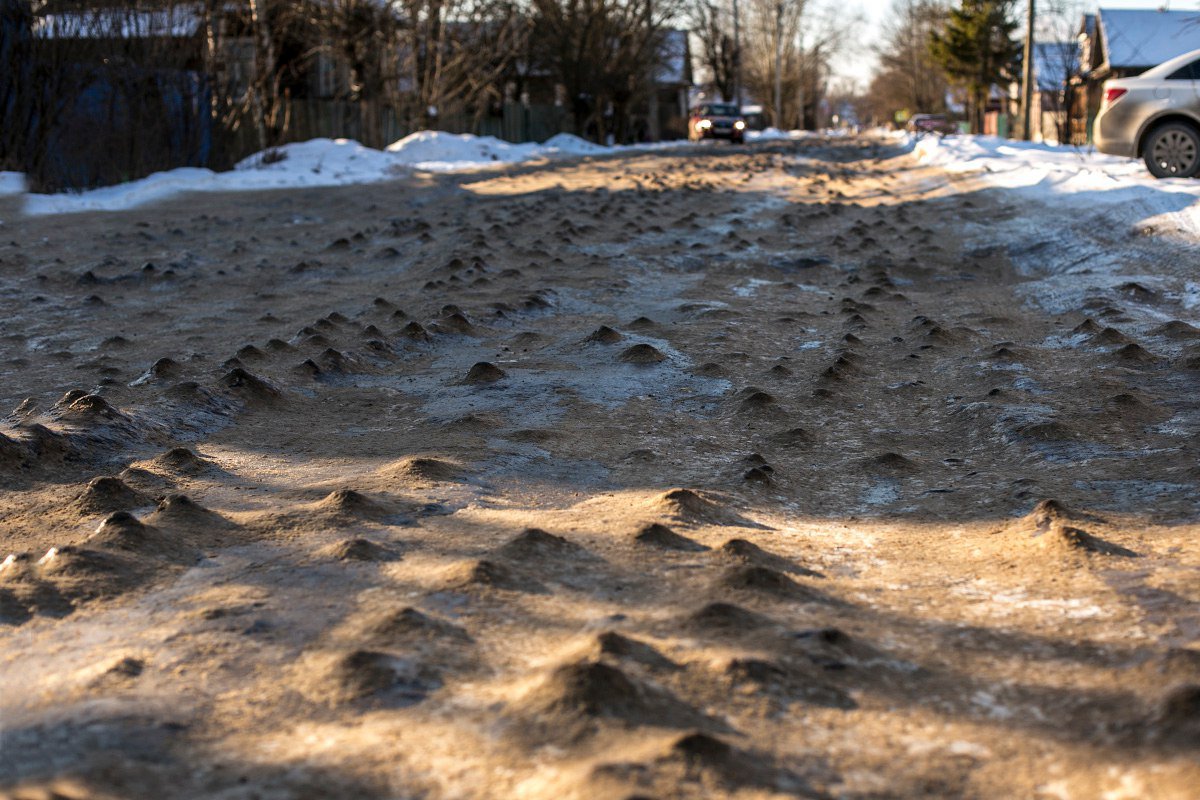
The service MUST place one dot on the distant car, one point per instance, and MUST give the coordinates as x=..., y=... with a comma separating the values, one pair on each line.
x=717, y=121
x=930, y=123
x=1154, y=116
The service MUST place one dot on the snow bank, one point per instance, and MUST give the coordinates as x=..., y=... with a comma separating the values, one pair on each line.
x=318, y=162
x=440, y=151
x=1068, y=176
x=771, y=135
x=11, y=183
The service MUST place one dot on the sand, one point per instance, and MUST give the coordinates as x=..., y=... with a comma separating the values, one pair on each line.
x=768, y=471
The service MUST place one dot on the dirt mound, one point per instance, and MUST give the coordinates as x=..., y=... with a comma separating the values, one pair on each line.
x=105, y=494
x=249, y=387
x=123, y=531
x=349, y=504
x=761, y=474
x=455, y=323
x=701, y=755
x=615, y=645
x=604, y=335
x=177, y=512
x=485, y=574
x=756, y=401
x=13, y=454
x=339, y=677
x=642, y=354
x=1048, y=431
x=405, y=627
x=182, y=461
x=484, y=372
x=47, y=447
x=423, y=470
x=710, y=369
x=746, y=552
x=359, y=549
x=1130, y=407
x=1134, y=354
x=12, y=610
x=1053, y=527
x=68, y=576
x=891, y=464
x=82, y=408
x=1049, y=511
x=1070, y=539
x=587, y=689
x=534, y=544
x=1177, y=718
x=1177, y=329
x=689, y=507
x=658, y=535
x=161, y=370
x=1108, y=337
x=705, y=764
x=767, y=581
x=643, y=324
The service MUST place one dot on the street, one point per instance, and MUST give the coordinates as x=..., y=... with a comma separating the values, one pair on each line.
x=797, y=469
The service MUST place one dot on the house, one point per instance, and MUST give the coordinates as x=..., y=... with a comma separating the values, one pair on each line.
x=667, y=110
x=1118, y=43
x=1054, y=64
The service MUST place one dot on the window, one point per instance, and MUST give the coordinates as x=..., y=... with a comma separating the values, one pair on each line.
x=1190, y=72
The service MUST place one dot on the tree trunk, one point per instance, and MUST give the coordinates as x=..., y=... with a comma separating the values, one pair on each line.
x=264, y=72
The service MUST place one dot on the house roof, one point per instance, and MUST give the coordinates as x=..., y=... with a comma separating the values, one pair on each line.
x=1054, y=63
x=674, y=55
x=105, y=21
x=1144, y=38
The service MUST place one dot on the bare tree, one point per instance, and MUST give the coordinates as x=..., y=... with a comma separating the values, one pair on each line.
x=908, y=80
x=711, y=22
x=789, y=46
x=1056, y=62
x=455, y=55
x=605, y=53
x=97, y=93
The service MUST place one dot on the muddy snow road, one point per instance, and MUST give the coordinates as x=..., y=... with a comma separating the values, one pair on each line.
x=795, y=470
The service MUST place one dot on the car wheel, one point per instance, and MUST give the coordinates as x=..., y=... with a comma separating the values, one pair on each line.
x=1172, y=151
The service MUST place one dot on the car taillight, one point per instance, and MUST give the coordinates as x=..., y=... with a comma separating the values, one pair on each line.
x=1112, y=95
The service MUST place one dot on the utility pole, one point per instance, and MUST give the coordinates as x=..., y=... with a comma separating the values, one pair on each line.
x=1027, y=77
x=737, y=58
x=779, y=64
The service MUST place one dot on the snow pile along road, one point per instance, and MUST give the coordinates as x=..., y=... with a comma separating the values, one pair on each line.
x=11, y=183
x=317, y=162
x=1067, y=176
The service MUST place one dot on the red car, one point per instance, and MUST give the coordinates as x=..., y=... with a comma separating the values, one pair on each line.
x=717, y=121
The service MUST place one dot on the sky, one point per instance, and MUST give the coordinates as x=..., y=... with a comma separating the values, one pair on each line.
x=857, y=62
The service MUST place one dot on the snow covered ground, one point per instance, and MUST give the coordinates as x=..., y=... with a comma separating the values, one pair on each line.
x=11, y=183
x=1070, y=176
x=1066, y=175
x=317, y=162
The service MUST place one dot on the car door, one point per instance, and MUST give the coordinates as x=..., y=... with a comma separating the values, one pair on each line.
x=1183, y=89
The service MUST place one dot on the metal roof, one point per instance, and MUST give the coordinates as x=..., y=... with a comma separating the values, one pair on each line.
x=1054, y=63
x=1145, y=37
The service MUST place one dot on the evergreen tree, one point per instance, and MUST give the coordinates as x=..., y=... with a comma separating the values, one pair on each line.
x=976, y=48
